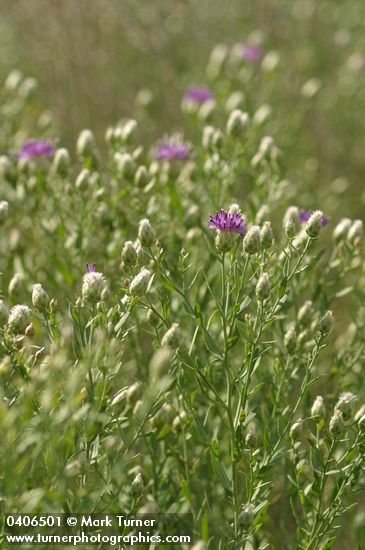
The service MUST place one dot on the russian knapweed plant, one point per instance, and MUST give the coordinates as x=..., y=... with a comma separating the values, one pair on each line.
x=177, y=338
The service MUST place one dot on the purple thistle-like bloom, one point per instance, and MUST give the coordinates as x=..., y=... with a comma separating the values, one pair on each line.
x=35, y=149
x=172, y=148
x=91, y=268
x=252, y=54
x=199, y=95
x=225, y=221
x=306, y=214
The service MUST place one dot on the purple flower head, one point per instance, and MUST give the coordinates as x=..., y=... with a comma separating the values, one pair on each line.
x=91, y=268
x=172, y=148
x=253, y=54
x=306, y=214
x=35, y=149
x=225, y=221
x=198, y=95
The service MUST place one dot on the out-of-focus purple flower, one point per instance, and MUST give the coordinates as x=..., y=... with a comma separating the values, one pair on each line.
x=91, y=268
x=306, y=214
x=225, y=221
x=199, y=95
x=35, y=149
x=253, y=54
x=172, y=148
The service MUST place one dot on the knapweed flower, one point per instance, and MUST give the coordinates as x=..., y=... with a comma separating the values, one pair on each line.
x=306, y=214
x=198, y=95
x=227, y=224
x=253, y=54
x=172, y=148
x=36, y=149
x=94, y=285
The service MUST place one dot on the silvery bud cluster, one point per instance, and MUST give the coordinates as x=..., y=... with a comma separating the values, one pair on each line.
x=129, y=130
x=313, y=226
x=251, y=241
x=172, y=337
x=4, y=211
x=346, y=404
x=247, y=516
x=305, y=314
x=296, y=430
x=341, y=230
x=263, y=287
x=141, y=176
x=129, y=254
x=291, y=221
x=325, y=323
x=40, y=298
x=94, y=287
x=61, y=162
x=290, y=340
x=19, y=319
x=86, y=145
x=139, y=284
x=125, y=164
x=266, y=235
x=318, y=408
x=237, y=123
x=137, y=486
x=251, y=437
x=337, y=424
x=145, y=233
x=356, y=232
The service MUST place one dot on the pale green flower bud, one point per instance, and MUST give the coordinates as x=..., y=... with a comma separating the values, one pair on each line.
x=217, y=59
x=137, y=486
x=296, y=430
x=129, y=254
x=313, y=226
x=145, y=233
x=13, y=80
x=262, y=214
x=139, y=284
x=141, y=176
x=341, y=230
x=235, y=101
x=346, y=404
x=337, y=423
x=15, y=285
x=83, y=180
x=86, y=145
x=263, y=287
x=172, y=337
x=360, y=413
x=206, y=110
x=266, y=235
x=318, y=408
x=125, y=164
x=4, y=211
x=160, y=363
x=4, y=313
x=207, y=139
x=251, y=436
x=94, y=287
x=129, y=131
x=237, y=123
x=247, y=516
x=225, y=240
x=251, y=242
x=262, y=114
x=61, y=162
x=305, y=313
x=291, y=221
x=40, y=298
x=356, y=232
x=290, y=340
x=19, y=319
x=325, y=323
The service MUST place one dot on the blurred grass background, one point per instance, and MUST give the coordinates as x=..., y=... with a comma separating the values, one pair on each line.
x=92, y=58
